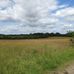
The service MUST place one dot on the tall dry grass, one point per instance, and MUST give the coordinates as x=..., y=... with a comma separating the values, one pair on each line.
x=39, y=56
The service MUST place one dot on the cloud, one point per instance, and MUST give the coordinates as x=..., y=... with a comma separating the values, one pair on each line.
x=35, y=16
x=65, y=12
x=4, y=4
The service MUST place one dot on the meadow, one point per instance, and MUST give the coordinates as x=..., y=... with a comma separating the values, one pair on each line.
x=35, y=56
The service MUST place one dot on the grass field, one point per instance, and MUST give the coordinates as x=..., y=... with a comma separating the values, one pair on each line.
x=39, y=56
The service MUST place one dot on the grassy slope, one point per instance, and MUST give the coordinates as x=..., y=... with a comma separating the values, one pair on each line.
x=34, y=56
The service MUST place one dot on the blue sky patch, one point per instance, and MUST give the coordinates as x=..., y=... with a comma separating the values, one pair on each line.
x=66, y=2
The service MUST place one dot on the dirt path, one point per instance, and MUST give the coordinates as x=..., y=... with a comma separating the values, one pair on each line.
x=68, y=70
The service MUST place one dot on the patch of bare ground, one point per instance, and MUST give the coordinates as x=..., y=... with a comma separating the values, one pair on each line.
x=68, y=70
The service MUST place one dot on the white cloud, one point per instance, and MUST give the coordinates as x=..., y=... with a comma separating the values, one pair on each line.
x=37, y=16
x=24, y=8
x=65, y=12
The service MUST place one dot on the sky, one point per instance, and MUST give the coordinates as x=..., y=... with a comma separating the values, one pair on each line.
x=32, y=16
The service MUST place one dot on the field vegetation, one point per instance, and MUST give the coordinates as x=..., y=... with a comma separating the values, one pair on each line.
x=35, y=56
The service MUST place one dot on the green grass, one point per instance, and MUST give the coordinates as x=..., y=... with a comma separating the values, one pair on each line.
x=34, y=56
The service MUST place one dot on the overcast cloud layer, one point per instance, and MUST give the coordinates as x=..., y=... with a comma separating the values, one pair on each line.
x=31, y=16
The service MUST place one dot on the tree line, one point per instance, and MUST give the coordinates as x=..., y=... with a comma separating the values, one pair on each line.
x=35, y=35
